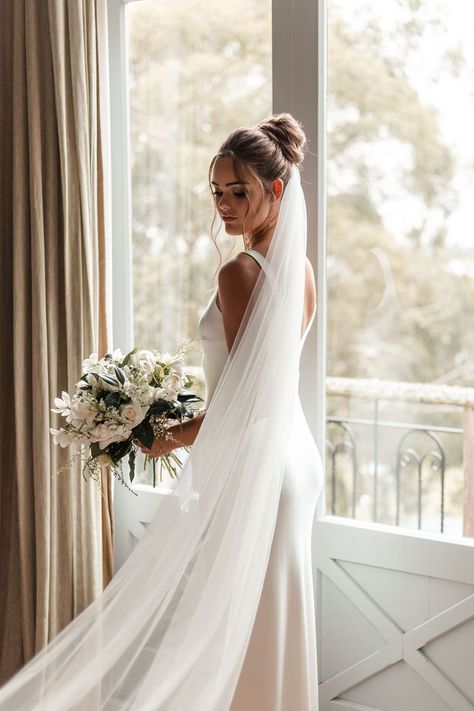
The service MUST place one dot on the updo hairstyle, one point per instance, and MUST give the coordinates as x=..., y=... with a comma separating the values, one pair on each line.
x=268, y=151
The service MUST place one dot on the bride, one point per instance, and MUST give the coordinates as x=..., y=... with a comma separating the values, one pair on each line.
x=214, y=608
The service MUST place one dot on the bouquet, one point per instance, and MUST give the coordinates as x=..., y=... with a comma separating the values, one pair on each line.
x=119, y=398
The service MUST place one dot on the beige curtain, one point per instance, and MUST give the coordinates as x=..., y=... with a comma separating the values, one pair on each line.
x=56, y=532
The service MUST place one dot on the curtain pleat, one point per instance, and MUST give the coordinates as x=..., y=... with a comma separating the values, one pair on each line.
x=56, y=531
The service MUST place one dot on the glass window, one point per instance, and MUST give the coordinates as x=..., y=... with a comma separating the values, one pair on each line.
x=400, y=263
x=197, y=71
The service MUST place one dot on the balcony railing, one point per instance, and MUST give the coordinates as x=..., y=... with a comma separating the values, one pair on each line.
x=360, y=443
x=415, y=446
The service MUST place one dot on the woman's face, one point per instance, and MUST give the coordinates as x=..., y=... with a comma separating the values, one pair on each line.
x=232, y=203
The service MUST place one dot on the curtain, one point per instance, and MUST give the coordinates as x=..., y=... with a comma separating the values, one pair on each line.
x=56, y=531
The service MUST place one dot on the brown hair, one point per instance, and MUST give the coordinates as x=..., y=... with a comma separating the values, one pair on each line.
x=267, y=152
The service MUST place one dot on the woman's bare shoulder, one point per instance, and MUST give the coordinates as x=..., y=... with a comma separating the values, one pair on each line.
x=238, y=274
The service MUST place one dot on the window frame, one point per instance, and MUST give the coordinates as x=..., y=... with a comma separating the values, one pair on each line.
x=298, y=86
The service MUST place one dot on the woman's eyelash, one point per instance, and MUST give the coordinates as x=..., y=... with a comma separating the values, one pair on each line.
x=218, y=194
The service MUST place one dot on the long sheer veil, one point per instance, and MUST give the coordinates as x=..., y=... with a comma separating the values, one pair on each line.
x=171, y=630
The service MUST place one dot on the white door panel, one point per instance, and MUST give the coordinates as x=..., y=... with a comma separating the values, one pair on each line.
x=395, y=618
x=132, y=514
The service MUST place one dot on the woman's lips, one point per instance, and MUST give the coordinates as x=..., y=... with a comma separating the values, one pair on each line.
x=228, y=218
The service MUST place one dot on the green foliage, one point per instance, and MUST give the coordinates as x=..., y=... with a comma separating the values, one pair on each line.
x=194, y=76
x=397, y=306
x=396, y=302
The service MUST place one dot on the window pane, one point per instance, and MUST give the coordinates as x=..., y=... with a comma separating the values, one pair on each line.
x=400, y=262
x=197, y=71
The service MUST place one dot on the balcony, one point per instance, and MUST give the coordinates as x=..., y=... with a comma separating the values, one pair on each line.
x=401, y=453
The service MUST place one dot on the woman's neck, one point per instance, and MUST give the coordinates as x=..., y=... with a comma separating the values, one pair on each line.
x=262, y=244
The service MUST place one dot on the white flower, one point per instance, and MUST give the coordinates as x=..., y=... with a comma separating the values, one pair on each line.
x=132, y=414
x=90, y=362
x=97, y=383
x=81, y=410
x=61, y=437
x=171, y=384
x=106, y=433
x=169, y=364
x=117, y=355
x=62, y=404
x=144, y=360
x=149, y=395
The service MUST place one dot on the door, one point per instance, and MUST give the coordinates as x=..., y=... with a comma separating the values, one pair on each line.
x=392, y=540
x=394, y=602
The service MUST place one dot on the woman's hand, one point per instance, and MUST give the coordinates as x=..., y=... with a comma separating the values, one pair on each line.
x=159, y=448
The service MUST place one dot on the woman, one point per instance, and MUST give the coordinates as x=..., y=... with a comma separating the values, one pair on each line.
x=214, y=608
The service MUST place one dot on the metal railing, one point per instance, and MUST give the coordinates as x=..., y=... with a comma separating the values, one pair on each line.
x=418, y=446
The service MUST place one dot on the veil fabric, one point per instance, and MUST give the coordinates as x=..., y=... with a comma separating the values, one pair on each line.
x=171, y=629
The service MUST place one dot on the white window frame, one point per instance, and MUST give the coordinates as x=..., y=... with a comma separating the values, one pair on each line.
x=299, y=86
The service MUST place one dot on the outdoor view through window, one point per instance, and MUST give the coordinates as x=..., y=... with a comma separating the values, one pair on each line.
x=197, y=71
x=400, y=269
x=400, y=266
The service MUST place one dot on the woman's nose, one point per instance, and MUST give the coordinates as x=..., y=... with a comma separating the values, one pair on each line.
x=223, y=205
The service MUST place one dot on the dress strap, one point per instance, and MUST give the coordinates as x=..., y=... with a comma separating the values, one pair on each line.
x=262, y=261
x=257, y=256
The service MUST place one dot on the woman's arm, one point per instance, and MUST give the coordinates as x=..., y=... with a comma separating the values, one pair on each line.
x=182, y=434
x=236, y=281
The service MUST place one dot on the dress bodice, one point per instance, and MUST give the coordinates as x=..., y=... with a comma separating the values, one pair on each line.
x=212, y=335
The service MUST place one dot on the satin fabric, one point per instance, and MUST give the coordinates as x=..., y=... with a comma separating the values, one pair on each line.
x=280, y=667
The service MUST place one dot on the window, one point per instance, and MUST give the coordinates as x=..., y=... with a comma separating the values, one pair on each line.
x=196, y=71
x=400, y=268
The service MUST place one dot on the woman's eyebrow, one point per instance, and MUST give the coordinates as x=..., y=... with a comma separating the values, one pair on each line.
x=237, y=182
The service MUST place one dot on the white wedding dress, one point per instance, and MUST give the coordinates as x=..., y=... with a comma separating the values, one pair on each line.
x=213, y=610
x=279, y=672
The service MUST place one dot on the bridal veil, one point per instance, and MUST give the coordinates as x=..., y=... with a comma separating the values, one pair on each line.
x=171, y=630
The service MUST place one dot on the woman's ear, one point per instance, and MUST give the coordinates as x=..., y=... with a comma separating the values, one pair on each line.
x=277, y=188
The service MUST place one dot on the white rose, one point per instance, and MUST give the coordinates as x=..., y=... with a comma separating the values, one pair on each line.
x=132, y=414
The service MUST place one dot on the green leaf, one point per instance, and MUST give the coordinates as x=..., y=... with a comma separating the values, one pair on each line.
x=96, y=450
x=159, y=406
x=178, y=412
x=108, y=379
x=118, y=450
x=131, y=464
x=112, y=399
x=126, y=359
x=144, y=433
x=120, y=375
x=189, y=397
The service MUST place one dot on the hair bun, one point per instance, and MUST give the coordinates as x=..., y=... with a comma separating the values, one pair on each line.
x=287, y=133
